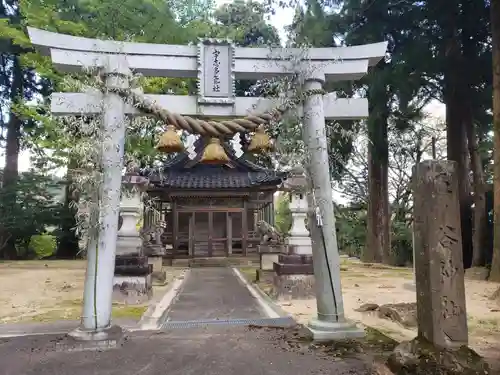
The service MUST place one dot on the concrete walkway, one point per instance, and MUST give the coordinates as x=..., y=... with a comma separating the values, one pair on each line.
x=213, y=293
x=215, y=350
x=208, y=294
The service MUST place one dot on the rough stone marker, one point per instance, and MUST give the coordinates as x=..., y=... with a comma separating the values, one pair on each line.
x=442, y=317
x=441, y=344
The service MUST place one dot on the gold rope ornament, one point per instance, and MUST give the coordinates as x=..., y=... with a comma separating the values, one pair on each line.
x=170, y=141
x=214, y=153
x=261, y=142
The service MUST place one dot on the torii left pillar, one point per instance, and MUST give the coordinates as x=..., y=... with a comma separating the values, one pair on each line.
x=98, y=291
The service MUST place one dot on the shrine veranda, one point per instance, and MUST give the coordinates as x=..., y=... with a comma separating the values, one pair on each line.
x=216, y=65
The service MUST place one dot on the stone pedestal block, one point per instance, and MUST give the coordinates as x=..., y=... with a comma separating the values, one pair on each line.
x=158, y=273
x=153, y=250
x=293, y=277
x=132, y=290
x=299, y=245
x=293, y=286
x=128, y=245
x=267, y=260
x=132, y=282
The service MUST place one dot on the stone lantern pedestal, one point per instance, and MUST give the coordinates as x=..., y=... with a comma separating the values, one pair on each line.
x=132, y=282
x=294, y=272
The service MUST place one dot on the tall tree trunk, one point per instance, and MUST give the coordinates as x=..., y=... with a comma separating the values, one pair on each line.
x=378, y=244
x=455, y=127
x=495, y=30
x=480, y=218
x=11, y=170
x=468, y=78
x=457, y=151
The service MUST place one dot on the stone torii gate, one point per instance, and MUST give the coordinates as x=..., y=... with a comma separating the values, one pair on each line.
x=216, y=64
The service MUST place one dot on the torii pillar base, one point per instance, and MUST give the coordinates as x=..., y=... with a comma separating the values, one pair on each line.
x=323, y=331
x=82, y=339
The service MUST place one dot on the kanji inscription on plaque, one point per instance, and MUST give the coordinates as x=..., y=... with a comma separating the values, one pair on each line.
x=216, y=71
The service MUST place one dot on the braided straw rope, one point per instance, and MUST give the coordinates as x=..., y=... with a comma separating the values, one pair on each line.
x=217, y=129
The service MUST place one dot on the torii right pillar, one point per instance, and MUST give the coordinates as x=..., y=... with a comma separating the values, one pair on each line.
x=330, y=322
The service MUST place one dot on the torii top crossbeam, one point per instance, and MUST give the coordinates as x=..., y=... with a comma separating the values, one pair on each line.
x=71, y=54
x=343, y=63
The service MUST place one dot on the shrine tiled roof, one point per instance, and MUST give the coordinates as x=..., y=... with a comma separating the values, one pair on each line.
x=219, y=180
x=240, y=173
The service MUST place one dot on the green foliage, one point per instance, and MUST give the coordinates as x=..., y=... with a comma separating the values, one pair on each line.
x=351, y=235
x=401, y=243
x=283, y=216
x=43, y=245
x=351, y=229
x=191, y=10
x=244, y=22
x=27, y=208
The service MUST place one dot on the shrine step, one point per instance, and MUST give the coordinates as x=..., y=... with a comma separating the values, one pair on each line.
x=233, y=260
x=209, y=262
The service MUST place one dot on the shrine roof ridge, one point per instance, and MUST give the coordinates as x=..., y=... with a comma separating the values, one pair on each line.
x=47, y=40
x=181, y=172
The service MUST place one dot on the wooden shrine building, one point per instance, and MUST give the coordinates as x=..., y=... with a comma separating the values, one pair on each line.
x=212, y=210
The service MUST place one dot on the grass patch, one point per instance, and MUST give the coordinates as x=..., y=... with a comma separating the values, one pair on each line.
x=55, y=315
x=71, y=310
x=129, y=312
x=250, y=274
x=44, y=264
x=402, y=274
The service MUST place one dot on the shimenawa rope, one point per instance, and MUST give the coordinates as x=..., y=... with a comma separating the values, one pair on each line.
x=212, y=128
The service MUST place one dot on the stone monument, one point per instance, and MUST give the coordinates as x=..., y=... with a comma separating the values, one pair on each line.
x=216, y=64
x=441, y=314
x=132, y=283
x=439, y=266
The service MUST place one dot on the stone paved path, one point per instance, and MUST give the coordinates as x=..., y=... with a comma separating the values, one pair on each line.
x=213, y=293
x=208, y=351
